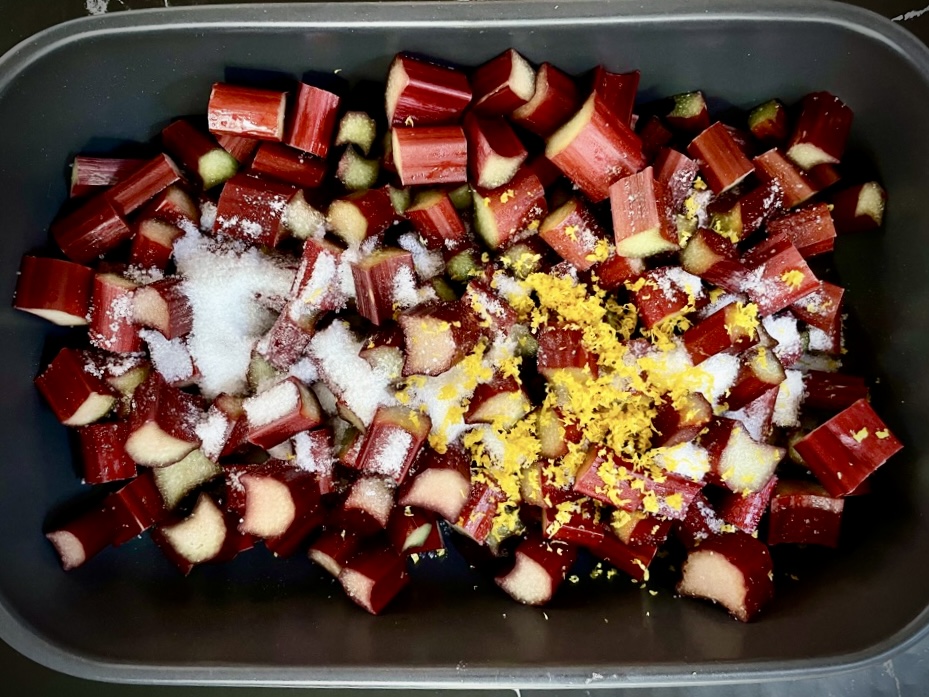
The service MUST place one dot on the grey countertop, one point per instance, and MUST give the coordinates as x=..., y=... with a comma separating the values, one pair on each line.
x=906, y=674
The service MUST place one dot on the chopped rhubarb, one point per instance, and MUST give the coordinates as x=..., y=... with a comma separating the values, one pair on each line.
x=617, y=91
x=53, y=289
x=574, y=233
x=356, y=128
x=112, y=325
x=736, y=220
x=437, y=337
x=848, y=448
x=495, y=152
x=288, y=165
x=198, y=153
x=83, y=537
x=561, y=348
x=732, y=329
x=594, y=149
x=135, y=508
x=768, y=122
x=654, y=136
x=820, y=132
x=176, y=481
x=539, y=567
x=554, y=100
x=676, y=173
x=714, y=259
x=681, y=423
x=501, y=402
x=859, y=208
x=772, y=166
x=103, y=453
x=809, y=228
x=822, y=308
x=333, y=548
x=804, y=513
x=162, y=305
x=142, y=185
x=355, y=172
x=745, y=510
x=92, y=174
x=434, y=217
x=441, y=483
x=642, y=222
x=153, y=244
x=392, y=442
x=502, y=84
x=280, y=504
x=379, y=280
x=361, y=215
x=374, y=576
x=247, y=111
x=198, y=538
x=734, y=570
x=738, y=460
x=239, y=147
x=833, y=391
x=92, y=230
x=412, y=531
x=367, y=506
x=511, y=212
x=721, y=160
x=433, y=155
x=281, y=412
x=778, y=276
x=759, y=372
x=420, y=93
x=162, y=425
x=613, y=272
x=689, y=113
x=665, y=293
x=260, y=211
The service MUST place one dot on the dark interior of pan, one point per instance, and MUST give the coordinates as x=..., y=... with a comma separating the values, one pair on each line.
x=130, y=616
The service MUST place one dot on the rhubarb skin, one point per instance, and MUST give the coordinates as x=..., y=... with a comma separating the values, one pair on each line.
x=239, y=147
x=361, y=216
x=374, y=576
x=654, y=136
x=198, y=153
x=594, y=149
x=434, y=217
x=144, y=184
x=810, y=229
x=420, y=93
x=772, y=166
x=859, y=208
x=642, y=216
x=333, y=548
x=314, y=120
x=502, y=84
x=737, y=220
x=778, y=276
x=737, y=460
x=617, y=91
x=821, y=131
x=574, y=233
x=665, y=292
x=682, y=424
x=413, y=531
x=55, y=290
x=676, y=173
x=848, y=448
x=612, y=273
x=822, y=308
x=439, y=482
x=254, y=210
x=112, y=327
x=476, y=519
x=91, y=174
x=632, y=559
x=103, y=455
x=135, y=508
x=392, y=442
x=721, y=332
x=83, y=538
x=833, y=391
x=759, y=372
x=247, y=111
x=721, y=160
x=540, y=567
x=554, y=100
x=92, y=230
x=495, y=152
x=768, y=122
x=162, y=305
x=733, y=569
x=289, y=165
x=804, y=513
x=303, y=414
x=375, y=277
x=512, y=212
x=162, y=424
x=561, y=349
x=432, y=155
x=745, y=510
x=689, y=113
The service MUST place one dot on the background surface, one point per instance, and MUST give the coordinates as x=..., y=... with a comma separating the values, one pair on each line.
x=906, y=675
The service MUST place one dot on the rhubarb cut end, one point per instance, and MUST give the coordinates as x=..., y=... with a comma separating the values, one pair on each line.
x=871, y=202
x=269, y=508
x=150, y=446
x=528, y=582
x=566, y=135
x=645, y=244
x=216, y=167
x=94, y=408
x=710, y=576
x=498, y=170
x=69, y=548
x=348, y=223
x=806, y=156
x=200, y=536
x=303, y=220
x=62, y=319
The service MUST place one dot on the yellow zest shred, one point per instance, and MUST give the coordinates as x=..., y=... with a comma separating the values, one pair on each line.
x=793, y=278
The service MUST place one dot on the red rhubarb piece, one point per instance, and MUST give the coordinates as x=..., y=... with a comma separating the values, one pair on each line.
x=374, y=577
x=479, y=512
x=633, y=559
x=153, y=244
x=315, y=116
x=501, y=402
x=804, y=513
x=676, y=173
x=768, y=122
x=56, y=290
x=162, y=305
x=502, y=84
x=91, y=174
x=492, y=312
x=143, y=185
x=135, y=508
x=689, y=113
x=173, y=205
x=247, y=111
x=832, y=391
x=263, y=212
x=820, y=132
x=367, y=505
x=196, y=539
x=510, y=213
x=613, y=273
x=434, y=217
x=175, y=482
x=859, y=208
x=642, y=216
x=574, y=233
x=737, y=219
x=664, y=293
x=772, y=166
x=846, y=449
x=162, y=425
x=314, y=284
x=288, y=165
x=739, y=461
x=437, y=337
x=778, y=276
x=83, y=538
x=333, y=548
x=90, y=231
x=280, y=412
x=431, y=155
x=744, y=510
x=240, y=148
x=561, y=349
x=554, y=100
x=654, y=136
x=440, y=483
x=617, y=91
x=413, y=531
x=111, y=319
x=539, y=567
x=721, y=159
x=681, y=423
x=393, y=441
x=574, y=521
x=223, y=429
x=198, y=153
x=759, y=372
x=714, y=259
x=285, y=342
x=594, y=149
x=420, y=93
x=378, y=277
x=494, y=151
x=822, y=308
x=700, y=522
x=103, y=455
x=731, y=329
x=809, y=228
x=734, y=570
x=280, y=504
x=758, y=415
x=362, y=215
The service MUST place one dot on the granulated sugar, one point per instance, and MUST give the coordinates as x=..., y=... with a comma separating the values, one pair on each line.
x=170, y=358
x=272, y=404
